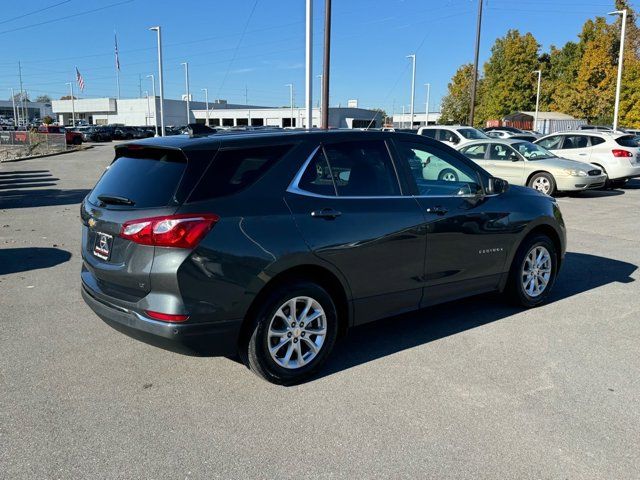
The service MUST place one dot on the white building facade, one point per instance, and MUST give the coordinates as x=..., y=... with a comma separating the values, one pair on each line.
x=403, y=120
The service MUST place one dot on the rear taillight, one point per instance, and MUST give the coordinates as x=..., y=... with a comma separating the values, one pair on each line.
x=621, y=153
x=179, y=231
x=166, y=317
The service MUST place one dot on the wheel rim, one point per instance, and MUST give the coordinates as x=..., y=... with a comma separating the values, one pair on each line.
x=542, y=184
x=297, y=332
x=536, y=271
x=449, y=177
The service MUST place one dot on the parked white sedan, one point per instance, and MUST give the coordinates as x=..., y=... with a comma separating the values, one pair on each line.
x=525, y=163
x=617, y=154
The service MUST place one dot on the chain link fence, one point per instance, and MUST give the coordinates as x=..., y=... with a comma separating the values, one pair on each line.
x=18, y=144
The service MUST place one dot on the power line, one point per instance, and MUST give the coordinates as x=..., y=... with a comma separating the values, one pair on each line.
x=34, y=11
x=65, y=17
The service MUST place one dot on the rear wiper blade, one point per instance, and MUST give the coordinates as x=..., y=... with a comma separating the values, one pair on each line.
x=115, y=200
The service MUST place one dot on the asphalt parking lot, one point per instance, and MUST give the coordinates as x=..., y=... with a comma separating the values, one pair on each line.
x=472, y=389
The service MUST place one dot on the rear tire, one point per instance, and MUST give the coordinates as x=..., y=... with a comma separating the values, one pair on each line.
x=279, y=349
x=532, y=274
x=448, y=175
x=543, y=182
x=619, y=183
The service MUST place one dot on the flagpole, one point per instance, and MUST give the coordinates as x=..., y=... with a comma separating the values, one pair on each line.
x=117, y=82
x=117, y=65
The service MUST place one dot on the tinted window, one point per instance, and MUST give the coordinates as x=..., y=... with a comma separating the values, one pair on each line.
x=150, y=181
x=447, y=136
x=475, y=152
x=471, y=133
x=596, y=140
x=429, y=132
x=233, y=170
x=551, y=143
x=575, y=141
x=362, y=169
x=317, y=176
x=437, y=172
x=627, y=141
x=500, y=152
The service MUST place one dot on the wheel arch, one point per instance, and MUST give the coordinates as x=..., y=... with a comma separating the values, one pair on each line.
x=311, y=272
x=537, y=172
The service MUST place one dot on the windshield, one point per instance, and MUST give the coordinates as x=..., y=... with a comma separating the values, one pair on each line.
x=471, y=134
x=531, y=151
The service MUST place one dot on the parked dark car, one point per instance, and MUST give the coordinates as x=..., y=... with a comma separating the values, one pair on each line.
x=272, y=245
x=94, y=134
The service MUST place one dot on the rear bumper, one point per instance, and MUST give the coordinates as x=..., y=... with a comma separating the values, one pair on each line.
x=216, y=338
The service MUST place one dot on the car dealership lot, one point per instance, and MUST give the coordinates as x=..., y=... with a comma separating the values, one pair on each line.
x=471, y=389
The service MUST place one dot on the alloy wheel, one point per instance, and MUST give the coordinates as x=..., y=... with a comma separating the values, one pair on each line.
x=536, y=271
x=297, y=332
x=542, y=184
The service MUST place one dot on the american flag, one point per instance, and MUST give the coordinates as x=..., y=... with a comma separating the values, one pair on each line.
x=80, y=80
x=117, y=56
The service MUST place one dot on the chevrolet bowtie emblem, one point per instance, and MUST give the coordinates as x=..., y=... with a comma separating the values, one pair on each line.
x=92, y=222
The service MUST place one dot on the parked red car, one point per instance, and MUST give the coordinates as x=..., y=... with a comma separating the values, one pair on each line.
x=72, y=138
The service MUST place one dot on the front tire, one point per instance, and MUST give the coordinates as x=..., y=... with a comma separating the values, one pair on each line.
x=293, y=333
x=533, y=271
x=543, y=182
x=448, y=175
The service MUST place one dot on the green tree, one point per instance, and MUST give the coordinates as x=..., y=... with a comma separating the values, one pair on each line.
x=509, y=81
x=44, y=99
x=457, y=103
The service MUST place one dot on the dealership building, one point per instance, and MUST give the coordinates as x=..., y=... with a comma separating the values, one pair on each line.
x=33, y=109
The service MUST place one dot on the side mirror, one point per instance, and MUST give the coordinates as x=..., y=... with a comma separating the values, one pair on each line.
x=497, y=186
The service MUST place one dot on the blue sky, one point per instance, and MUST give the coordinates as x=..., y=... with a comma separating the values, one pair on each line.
x=370, y=41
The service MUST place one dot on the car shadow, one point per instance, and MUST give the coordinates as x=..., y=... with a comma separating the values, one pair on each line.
x=14, y=260
x=580, y=273
x=25, y=188
x=598, y=193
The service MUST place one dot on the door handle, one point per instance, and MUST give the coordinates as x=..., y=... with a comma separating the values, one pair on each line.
x=437, y=210
x=326, y=213
x=582, y=154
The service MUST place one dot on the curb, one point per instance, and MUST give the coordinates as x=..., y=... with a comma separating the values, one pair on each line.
x=48, y=154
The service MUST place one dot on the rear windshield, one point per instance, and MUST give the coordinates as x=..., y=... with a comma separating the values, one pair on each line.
x=471, y=134
x=235, y=170
x=627, y=141
x=149, y=179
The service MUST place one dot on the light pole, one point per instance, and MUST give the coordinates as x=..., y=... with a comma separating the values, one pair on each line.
x=413, y=88
x=146, y=92
x=309, y=64
x=620, y=61
x=73, y=105
x=290, y=85
x=186, y=82
x=326, y=63
x=535, y=118
x=402, y=124
x=206, y=102
x=153, y=88
x=426, y=112
x=160, y=82
x=320, y=102
x=13, y=101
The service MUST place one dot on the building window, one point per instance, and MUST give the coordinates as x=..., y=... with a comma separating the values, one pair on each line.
x=215, y=122
x=242, y=122
x=286, y=122
x=200, y=121
x=227, y=122
x=257, y=122
x=357, y=123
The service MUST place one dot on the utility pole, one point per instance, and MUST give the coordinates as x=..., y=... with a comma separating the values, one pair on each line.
x=155, y=117
x=616, y=108
x=535, y=118
x=206, y=102
x=186, y=81
x=148, y=108
x=73, y=105
x=25, y=118
x=139, y=87
x=158, y=30
x=326, y=64
x=309, y=64
x=246, y=95
x=15, y=112
x=413, y=88
x=290, y=85
x=474, y=81
x=426, y=111
x=402, y=124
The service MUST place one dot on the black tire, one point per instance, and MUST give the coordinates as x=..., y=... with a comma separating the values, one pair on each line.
x=515, y=288
x=255, y=351
x=447, y=172
x=619, y=183
x=543, y=177
x=77, y=141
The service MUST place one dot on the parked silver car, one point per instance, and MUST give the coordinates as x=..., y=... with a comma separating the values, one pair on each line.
x=525, y=163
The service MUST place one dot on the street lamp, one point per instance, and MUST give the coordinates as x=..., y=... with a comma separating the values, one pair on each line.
x=206, y=102
x=186, y=81
x=413, y=87
x=73, y=105
x=620, y=60
x=160, y=82
x=146, y=92
x=153, y=85
x=426, y=112
x=290, y=85
x=535, y=118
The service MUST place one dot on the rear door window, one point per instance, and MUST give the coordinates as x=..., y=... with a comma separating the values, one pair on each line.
x=148, y=177
x=596, y=141
x=575, y=141
x=317, y=177
x=430, y=132
x=475, y=152
x=234, y=170
x=551, y=143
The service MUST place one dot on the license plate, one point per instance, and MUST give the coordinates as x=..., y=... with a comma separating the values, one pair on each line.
x=102, y=247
